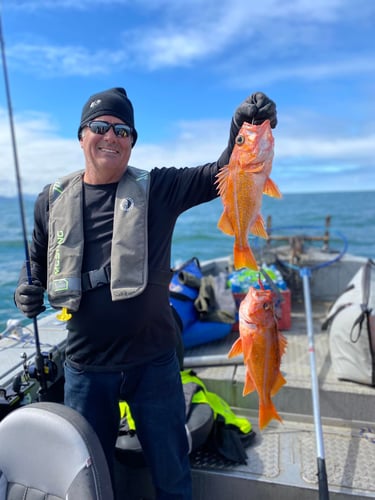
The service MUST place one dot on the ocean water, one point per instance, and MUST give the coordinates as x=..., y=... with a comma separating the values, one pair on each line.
x=196, y=234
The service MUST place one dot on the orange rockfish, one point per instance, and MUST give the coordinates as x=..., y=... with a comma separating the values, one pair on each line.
x=241, y=185
x=262, y=346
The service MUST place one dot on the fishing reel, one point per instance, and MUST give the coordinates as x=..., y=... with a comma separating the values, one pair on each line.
x=44, y=368
x=23, y=389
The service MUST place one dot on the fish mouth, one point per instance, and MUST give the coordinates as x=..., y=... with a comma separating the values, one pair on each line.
x=257, y=167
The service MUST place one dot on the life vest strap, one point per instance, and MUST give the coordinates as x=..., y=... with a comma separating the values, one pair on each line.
x=99, y=277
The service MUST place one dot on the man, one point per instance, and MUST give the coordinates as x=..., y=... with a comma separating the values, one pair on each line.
x=101, y=246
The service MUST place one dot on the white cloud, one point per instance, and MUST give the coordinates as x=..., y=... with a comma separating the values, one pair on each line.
x=313, y=72
x=44, y=156
x=192, y=31
x=52, y=61
x=341, y=149
x=237, y=44
x=33, y=5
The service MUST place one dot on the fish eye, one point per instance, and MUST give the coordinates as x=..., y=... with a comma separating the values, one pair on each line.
x=266, y=306
x=240, y=139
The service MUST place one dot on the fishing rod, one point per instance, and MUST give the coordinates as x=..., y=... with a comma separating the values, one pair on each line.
x=39, y=358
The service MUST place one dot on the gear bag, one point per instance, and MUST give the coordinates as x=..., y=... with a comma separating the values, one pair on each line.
x=230, y=434
x=351, y=325
x=210, y=425
x=205, y=304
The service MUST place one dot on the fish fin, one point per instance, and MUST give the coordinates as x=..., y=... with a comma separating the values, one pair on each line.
x=279, y=382
x=221, y=180
x=236, y=349
x=258, y=227
x=249, y=384
x=267, y=412
x=225, y=224
x=271, y=189
x=282, y=344
x=244, y=257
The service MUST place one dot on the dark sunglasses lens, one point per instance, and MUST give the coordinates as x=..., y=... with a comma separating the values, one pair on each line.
x=121, y=130
x=99, y=127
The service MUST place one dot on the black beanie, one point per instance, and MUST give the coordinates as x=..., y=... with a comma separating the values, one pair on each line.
x=112, y=102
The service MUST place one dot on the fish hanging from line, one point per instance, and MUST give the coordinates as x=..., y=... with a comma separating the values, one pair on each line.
x=241, y=185
x=262, y=346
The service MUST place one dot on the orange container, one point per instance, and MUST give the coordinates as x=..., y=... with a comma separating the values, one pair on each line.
x=283, y=310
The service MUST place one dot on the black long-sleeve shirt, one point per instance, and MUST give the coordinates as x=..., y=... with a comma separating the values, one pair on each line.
x=108, y=335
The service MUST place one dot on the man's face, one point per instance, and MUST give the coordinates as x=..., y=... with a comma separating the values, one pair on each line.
x=106, y=155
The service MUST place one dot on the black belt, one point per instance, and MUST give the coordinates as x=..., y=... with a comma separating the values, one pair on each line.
x=99, y=277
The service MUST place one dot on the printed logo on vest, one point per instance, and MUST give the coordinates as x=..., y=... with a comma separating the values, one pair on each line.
x=60, y=285
x=127, y=204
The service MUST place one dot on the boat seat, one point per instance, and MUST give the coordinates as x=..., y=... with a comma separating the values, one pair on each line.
x=50, y=452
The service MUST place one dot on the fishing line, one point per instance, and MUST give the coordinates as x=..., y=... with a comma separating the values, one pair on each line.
x=39, y=359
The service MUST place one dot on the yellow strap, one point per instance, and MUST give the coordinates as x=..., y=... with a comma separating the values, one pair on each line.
x=222, y=408
x=186, y=376
x=217, y=404
x=125, y=412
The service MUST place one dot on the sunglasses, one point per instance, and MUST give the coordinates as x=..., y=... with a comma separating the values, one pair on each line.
x=102, y=127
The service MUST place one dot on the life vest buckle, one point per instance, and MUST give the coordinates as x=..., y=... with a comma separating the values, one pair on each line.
x=96, y=278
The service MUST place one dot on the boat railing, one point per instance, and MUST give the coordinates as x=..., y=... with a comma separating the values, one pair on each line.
x=296, y=240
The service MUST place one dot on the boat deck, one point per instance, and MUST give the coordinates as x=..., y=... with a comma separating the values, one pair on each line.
x=227, y=378
x=282, y=459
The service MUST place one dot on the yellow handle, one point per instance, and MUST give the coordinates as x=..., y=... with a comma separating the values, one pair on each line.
x=64, y=315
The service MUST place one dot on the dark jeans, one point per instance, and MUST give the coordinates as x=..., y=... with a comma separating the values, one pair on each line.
x=154, y=394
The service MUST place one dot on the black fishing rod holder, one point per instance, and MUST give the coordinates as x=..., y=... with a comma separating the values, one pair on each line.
x=25, y=387
x=17, y=392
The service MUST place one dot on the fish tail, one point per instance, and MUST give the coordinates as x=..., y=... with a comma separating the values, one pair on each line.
x=267, y=412
x=244, y=257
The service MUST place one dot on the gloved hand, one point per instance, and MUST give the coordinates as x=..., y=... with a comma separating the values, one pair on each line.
x=30, y=298
x=256, y=109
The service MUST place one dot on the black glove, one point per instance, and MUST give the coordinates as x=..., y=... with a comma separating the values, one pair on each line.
x=30, y=298
x=256, y=109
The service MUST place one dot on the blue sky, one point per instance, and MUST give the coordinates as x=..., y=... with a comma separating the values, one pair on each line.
x=186, y=65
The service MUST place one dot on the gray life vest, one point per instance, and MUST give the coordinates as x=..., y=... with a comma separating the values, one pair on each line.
x=129, y=254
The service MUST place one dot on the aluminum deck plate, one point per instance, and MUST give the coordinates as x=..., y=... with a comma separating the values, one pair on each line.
x=285, y=455
x=282, y=460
